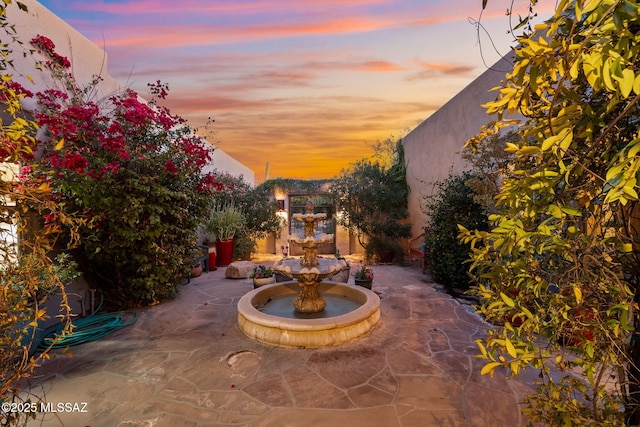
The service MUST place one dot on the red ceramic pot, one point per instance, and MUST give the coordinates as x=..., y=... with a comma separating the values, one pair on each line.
x=224, y=252
x=212, y=260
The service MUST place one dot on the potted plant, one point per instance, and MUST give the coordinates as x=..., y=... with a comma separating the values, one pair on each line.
x=223, y=224
x=262, y=275
x=364, y=277
x=243, y=245
x=196, y=271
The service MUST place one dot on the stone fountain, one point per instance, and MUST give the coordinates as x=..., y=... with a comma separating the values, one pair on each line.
x=309, y=322
x=309, y=270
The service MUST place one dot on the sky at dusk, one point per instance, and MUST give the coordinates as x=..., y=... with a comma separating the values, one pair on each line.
x=305, y=85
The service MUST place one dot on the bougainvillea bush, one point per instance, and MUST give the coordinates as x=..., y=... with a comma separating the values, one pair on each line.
x=133, y=171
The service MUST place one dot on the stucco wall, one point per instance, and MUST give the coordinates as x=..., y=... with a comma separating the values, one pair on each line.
x=224, y=162
x=432, y=150
x=88, y=60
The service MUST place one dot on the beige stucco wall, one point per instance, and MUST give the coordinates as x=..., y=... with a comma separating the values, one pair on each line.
x=221, y=161
x=432, y=150
x=88, y=60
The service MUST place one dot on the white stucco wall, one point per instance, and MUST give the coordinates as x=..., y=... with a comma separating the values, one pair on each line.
x=221, y=161
x=88, y=60
x=432, y=150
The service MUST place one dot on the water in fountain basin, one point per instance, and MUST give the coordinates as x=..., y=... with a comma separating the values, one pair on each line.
x=282, y=306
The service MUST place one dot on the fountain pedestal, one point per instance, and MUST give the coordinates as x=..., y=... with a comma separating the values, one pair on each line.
x=309, y=299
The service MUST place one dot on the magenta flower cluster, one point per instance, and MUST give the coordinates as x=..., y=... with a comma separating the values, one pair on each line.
x=262, y=272
x=364, y=273
x=48, y=48
x=129, y=131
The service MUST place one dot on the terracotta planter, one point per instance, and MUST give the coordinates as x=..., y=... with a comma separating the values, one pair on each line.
x=224, y=252
x=365, y=283
x=263, y=281
x=196, y=271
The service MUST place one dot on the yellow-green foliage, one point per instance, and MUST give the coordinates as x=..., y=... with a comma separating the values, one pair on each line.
x=559, y=269
x=27, y=273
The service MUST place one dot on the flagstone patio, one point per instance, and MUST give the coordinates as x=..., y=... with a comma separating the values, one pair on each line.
x=186, y=363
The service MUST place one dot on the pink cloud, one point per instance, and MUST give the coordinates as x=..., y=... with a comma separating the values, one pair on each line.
x=287, y=70
x=200, y=23
x=383, y=66
x=207, y=35
x=171, y=6
x=429, y=70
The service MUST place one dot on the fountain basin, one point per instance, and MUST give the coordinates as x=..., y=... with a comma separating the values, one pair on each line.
x=312, y=332
x=322, y=269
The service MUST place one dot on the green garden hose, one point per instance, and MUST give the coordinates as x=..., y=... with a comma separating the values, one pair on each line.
x=90, y=328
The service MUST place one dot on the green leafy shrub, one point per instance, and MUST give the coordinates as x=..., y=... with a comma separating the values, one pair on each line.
x=453, y=204
x=489, y=165
x=243, y=245
x=373, y=198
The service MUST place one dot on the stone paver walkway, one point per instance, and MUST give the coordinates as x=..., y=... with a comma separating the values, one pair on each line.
x=186, y=363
